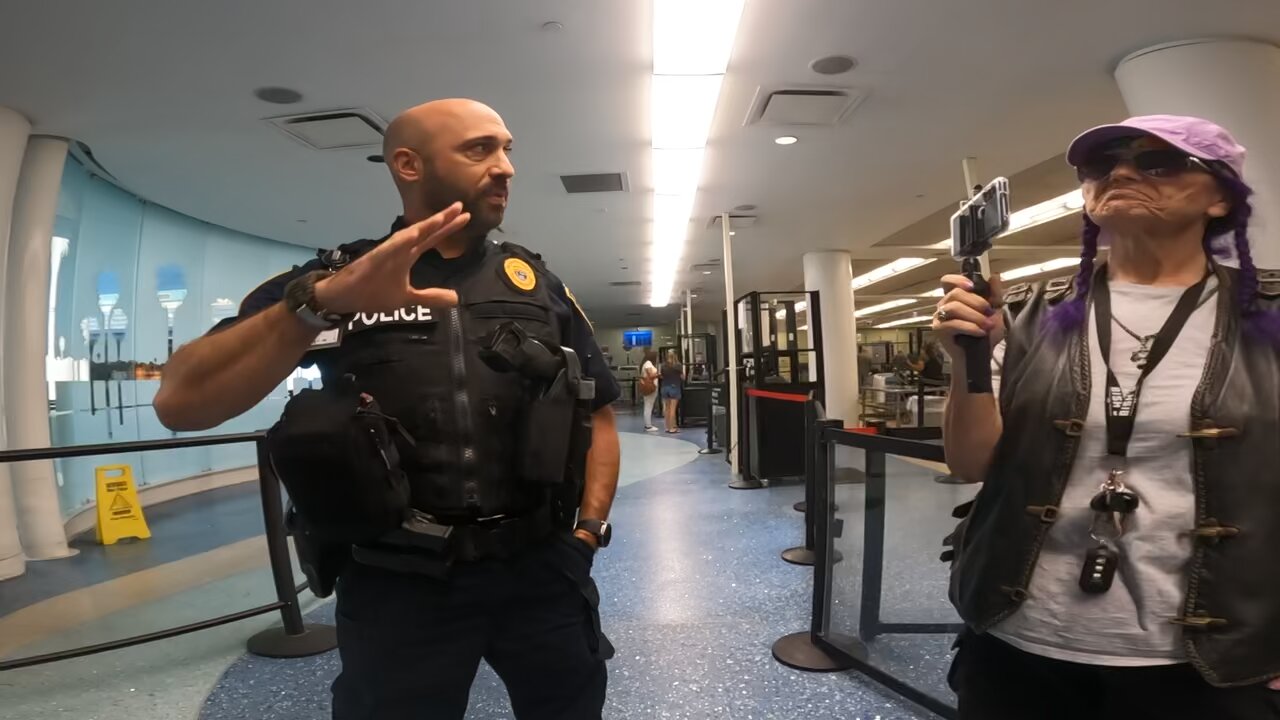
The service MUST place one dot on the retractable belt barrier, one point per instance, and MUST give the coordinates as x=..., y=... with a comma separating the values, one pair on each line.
x=294, y=638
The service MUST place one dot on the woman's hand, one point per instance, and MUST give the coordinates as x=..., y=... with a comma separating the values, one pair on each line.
x=1274, y=684
x=962, y=312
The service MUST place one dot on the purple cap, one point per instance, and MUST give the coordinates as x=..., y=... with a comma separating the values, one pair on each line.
x=1195, y=136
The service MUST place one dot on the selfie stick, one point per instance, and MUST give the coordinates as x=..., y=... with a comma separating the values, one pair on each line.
x=977, y=350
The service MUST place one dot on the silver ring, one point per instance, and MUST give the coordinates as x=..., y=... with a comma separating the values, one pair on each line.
x=941, y=315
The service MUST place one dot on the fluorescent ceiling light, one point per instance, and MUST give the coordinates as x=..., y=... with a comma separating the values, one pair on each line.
x=884, y=306
x=694, y=37
x=936, y=292
x=802, y=328
x=900, y=265
x=683, y=107
x=1046, y=211
x=676, y=170
x=914, y=320
x=1044, y=267
x=692, y=42
x=786, y=140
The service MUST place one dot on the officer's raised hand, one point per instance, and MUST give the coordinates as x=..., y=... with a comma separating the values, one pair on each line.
x=379, y=280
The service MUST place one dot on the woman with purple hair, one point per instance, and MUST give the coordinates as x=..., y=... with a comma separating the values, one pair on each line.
x=1120, y=558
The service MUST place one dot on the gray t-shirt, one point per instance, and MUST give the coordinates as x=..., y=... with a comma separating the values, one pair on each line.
x=1128, y=625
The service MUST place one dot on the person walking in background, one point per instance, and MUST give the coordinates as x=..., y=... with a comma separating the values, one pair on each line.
x=672, y=387
x=649, y=387
x=931, y=371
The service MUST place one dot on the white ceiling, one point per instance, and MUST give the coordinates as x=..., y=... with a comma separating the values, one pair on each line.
x=162, y=92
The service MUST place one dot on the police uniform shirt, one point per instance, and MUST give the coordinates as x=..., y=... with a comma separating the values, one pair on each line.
x=434, y=270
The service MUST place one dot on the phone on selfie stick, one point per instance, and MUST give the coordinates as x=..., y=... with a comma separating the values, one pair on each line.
x=974, y=228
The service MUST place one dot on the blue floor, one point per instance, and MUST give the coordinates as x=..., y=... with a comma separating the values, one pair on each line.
x=179, y=529
x=693, y=596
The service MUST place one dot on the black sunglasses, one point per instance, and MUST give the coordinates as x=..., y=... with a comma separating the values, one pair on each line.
x=1152, y=163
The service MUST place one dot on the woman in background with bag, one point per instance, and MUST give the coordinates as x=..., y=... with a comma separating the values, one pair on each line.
x=649, y=387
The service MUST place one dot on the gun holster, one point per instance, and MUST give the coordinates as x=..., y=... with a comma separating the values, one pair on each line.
x=555, y=391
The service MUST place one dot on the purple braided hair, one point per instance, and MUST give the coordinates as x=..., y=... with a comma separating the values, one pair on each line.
x=1258, y=323
x=1070, y=315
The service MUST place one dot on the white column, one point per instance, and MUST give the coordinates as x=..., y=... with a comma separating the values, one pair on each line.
x=26, y=329
x=830, y=272
x=14, y=131
x=1235, y=83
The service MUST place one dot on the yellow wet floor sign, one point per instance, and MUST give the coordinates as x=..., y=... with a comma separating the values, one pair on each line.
x=119, y=512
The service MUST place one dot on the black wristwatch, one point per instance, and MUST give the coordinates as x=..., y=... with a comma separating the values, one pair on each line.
x=300, y=298
x=602, y=529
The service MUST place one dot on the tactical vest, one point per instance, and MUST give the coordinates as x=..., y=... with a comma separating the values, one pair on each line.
x=423, y=366
x=1231, y=616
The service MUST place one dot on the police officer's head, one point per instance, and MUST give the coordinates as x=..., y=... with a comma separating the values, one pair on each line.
x=447, y=151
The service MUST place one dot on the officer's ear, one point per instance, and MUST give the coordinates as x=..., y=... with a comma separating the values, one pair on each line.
x=406, y=165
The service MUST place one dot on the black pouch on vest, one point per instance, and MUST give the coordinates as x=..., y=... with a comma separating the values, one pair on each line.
x=552, y=379
x=333, y=451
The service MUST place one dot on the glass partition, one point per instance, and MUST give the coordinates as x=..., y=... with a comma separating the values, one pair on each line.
x=888, y=597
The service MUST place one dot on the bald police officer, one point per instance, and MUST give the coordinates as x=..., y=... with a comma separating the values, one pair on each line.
x=407, y=315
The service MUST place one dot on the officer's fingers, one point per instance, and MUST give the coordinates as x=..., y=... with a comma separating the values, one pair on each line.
x=449, y=228
x=434, y=297
x=408, y=238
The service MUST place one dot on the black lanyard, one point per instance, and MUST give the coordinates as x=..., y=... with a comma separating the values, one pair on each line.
x=1122, y=407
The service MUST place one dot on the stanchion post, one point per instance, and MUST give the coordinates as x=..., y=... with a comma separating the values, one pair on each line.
x=873, y=545
x=805, y=555
x=294, y=638
x=807, y=650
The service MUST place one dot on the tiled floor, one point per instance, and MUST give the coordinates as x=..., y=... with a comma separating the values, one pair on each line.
x=693, y=597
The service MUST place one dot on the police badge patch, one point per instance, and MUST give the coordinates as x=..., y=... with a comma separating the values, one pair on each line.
x=520, y=274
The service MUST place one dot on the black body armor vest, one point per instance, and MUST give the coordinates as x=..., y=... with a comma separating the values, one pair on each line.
x=423, y=366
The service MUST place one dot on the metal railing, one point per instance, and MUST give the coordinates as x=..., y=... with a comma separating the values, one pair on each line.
x=295, y=638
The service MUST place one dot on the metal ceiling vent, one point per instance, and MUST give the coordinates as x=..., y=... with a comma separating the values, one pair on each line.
x=595, y=183
x=333, y=129
x=803, y=106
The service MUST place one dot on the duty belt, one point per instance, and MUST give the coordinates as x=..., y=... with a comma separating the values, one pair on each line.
x=429, y=546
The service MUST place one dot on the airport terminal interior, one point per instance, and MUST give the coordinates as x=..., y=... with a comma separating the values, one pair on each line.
x=763, y=189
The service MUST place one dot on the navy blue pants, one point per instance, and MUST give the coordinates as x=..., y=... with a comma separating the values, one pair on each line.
x=411, y=645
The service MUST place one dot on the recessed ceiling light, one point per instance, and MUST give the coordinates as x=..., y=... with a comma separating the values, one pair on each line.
x=375, y=159
x=552, y=26
x=706, y=272
x=744, y=208
x=787, y=140
x=732, y=233
x=278, y=95
x=833, y=64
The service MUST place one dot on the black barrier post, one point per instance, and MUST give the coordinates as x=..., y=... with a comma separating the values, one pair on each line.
x=805, y=554
x=294, y=638
x=806, y=650
x=872, y=545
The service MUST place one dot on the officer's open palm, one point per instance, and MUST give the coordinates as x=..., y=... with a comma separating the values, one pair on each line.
x=379, y=281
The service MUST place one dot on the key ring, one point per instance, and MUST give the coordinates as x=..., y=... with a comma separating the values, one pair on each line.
x=1118, y=523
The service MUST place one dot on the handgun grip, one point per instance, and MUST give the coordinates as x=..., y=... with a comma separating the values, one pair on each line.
x=977, y=350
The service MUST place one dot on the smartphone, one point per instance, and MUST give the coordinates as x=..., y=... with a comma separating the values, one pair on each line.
x=980, y=220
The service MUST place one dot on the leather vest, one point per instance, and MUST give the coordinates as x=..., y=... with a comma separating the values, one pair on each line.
x=423, y=367
x=1231, y=614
